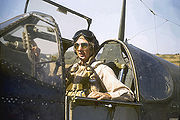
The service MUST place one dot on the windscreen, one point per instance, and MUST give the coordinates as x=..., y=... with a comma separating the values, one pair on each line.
x=68, y=23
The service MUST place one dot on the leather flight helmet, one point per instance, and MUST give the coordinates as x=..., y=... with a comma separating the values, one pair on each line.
x=89, y=36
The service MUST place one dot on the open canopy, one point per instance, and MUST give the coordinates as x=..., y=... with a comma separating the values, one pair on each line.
x=68, y=21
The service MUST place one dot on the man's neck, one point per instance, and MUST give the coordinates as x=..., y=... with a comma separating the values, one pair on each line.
x=89, y=61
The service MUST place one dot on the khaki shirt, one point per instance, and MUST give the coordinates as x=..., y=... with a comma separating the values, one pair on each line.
x=114, y=87
x=107, y=79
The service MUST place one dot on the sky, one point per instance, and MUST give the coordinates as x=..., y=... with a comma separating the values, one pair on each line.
x=154, y=33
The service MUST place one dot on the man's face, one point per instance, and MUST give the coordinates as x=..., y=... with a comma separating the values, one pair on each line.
x=35, y=49
x=82, y=49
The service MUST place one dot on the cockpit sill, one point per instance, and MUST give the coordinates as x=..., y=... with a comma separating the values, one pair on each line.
x=107, y=103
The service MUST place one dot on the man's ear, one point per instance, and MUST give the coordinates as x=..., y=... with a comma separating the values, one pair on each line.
x=91, y=50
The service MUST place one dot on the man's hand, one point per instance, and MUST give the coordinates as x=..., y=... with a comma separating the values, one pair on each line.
x=99, y=95
x=36, y=50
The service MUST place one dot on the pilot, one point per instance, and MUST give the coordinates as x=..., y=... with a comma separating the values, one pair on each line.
x=35, y=50
x=91, y=78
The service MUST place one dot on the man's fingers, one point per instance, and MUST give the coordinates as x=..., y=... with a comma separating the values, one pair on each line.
x=94, y=95
x=99, y=95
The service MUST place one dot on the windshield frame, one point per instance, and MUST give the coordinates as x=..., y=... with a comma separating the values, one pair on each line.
x=64, y=10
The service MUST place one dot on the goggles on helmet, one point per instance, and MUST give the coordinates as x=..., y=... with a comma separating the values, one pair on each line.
x=85, y=33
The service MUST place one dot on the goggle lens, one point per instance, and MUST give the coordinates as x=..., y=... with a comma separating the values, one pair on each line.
x=83, y=45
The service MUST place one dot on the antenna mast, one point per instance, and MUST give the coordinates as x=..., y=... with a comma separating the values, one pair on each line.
x=122, y=22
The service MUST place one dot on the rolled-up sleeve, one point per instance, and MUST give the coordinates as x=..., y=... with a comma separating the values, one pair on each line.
x=114, y=87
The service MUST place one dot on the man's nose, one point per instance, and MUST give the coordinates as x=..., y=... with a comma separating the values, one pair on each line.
x=80, y=47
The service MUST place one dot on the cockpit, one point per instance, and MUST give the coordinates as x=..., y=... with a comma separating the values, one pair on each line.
x=30, y=42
